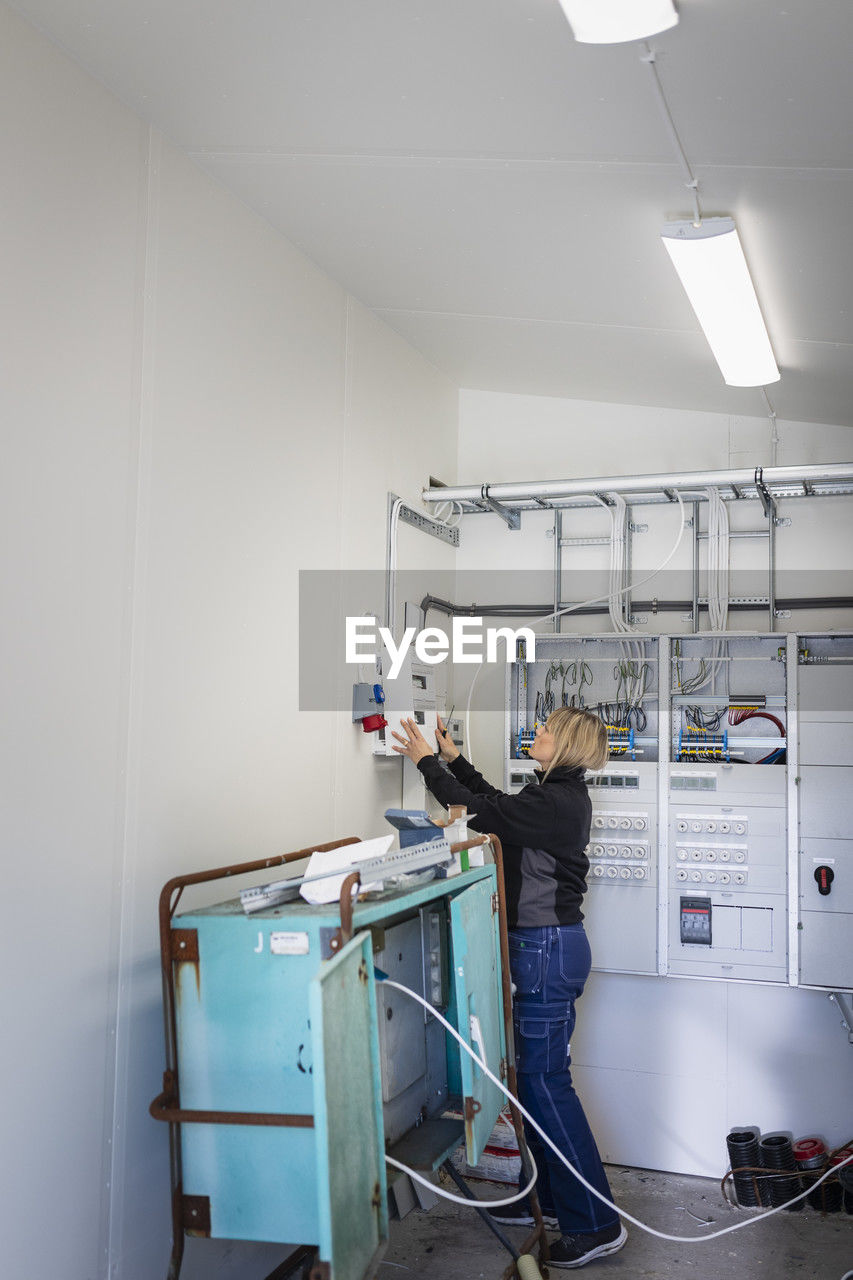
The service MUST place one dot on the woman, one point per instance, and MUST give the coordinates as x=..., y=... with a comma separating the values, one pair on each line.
x=544, y=831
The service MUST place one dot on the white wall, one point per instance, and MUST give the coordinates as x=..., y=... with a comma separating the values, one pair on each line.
x=666, y=1066
x=191, y=412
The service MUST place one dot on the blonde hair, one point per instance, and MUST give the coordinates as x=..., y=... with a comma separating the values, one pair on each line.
x=580, y=740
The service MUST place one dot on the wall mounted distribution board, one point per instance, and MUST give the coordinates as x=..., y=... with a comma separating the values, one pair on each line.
x=726, y=801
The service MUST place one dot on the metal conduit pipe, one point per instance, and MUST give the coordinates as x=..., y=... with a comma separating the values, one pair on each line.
x=654, y=606
x=555, y=490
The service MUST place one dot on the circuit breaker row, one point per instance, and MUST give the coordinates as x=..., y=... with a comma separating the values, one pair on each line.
x=708, y=824
x=627, y=871
x=709, y=876
x=618, y=854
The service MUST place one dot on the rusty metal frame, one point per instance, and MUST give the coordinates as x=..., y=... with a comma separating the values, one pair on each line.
x=166, y=1106
x=538, y=1232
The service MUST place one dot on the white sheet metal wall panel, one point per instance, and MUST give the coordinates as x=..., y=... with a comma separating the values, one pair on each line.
x=183, y=399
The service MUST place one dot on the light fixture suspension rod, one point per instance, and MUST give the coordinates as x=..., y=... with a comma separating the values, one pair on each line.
x=690, y=180
x=689, y=481
x=774, y=427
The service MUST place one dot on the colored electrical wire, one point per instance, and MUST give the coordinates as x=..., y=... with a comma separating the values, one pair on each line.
x=652, y=1231
x=737, y=715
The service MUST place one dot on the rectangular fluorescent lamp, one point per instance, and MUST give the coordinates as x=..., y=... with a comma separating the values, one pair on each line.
x=710, y=263
x=615, y=21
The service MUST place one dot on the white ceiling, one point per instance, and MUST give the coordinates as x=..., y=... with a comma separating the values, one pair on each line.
x=495, y=190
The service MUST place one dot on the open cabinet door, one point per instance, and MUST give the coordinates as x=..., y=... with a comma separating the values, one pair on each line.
x=349, y=1132
x=477, y=982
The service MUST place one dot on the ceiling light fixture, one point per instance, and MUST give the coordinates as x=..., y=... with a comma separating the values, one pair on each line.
x=710, y=263
x=615, y=21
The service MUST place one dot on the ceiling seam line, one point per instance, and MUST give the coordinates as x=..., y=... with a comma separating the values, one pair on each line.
x=267, y=153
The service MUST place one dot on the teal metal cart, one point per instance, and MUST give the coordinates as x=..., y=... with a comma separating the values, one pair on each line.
x=291, y=1071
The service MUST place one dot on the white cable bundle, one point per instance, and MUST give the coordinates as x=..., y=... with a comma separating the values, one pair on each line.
x=631, y=654
x=448, y=513
x=718, y=577
x=392, y=564
x=718, y=561
x=618, y=553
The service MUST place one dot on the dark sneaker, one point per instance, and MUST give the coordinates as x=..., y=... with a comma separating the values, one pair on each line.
x=519, y=1215
x=577, y=1251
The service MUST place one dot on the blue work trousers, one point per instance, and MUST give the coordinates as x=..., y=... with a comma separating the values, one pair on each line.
x=549, y=967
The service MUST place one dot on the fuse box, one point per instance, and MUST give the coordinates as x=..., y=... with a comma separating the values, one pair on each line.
x=733, y=783
x=617, y=679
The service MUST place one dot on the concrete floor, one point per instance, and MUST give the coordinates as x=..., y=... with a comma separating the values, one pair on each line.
x=450, y=1242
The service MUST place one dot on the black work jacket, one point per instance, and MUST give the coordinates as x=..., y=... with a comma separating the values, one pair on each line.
x=543, y=831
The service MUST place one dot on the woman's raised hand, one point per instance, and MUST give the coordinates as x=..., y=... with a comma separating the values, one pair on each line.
x=415, y=745
x=446, y=745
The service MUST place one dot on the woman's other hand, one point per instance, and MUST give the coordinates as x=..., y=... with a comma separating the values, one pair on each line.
x=446, y=745
x=415, y=745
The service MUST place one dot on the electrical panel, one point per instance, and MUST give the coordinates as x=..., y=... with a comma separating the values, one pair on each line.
x=621, y=909
x=727, y=804
x=722, y=825
x=825, y=796
x=729, y=841
x=617, y=679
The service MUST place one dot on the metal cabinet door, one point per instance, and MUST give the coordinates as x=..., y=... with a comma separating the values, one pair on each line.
x=477, y=984
x=351, y=1185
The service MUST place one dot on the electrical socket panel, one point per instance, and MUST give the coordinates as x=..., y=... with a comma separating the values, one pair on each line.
x=620, y=908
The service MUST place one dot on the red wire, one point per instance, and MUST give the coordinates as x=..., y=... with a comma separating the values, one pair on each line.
x=738, y=715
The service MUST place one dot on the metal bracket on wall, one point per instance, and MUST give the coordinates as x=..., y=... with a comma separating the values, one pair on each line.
x=512, y=519
x=764, y=495
x=419, y=520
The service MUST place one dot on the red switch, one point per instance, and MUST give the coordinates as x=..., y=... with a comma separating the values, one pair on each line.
x=824, y=877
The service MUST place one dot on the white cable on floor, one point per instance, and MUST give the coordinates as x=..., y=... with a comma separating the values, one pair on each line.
x=448, y=1195
x=652, y=1231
